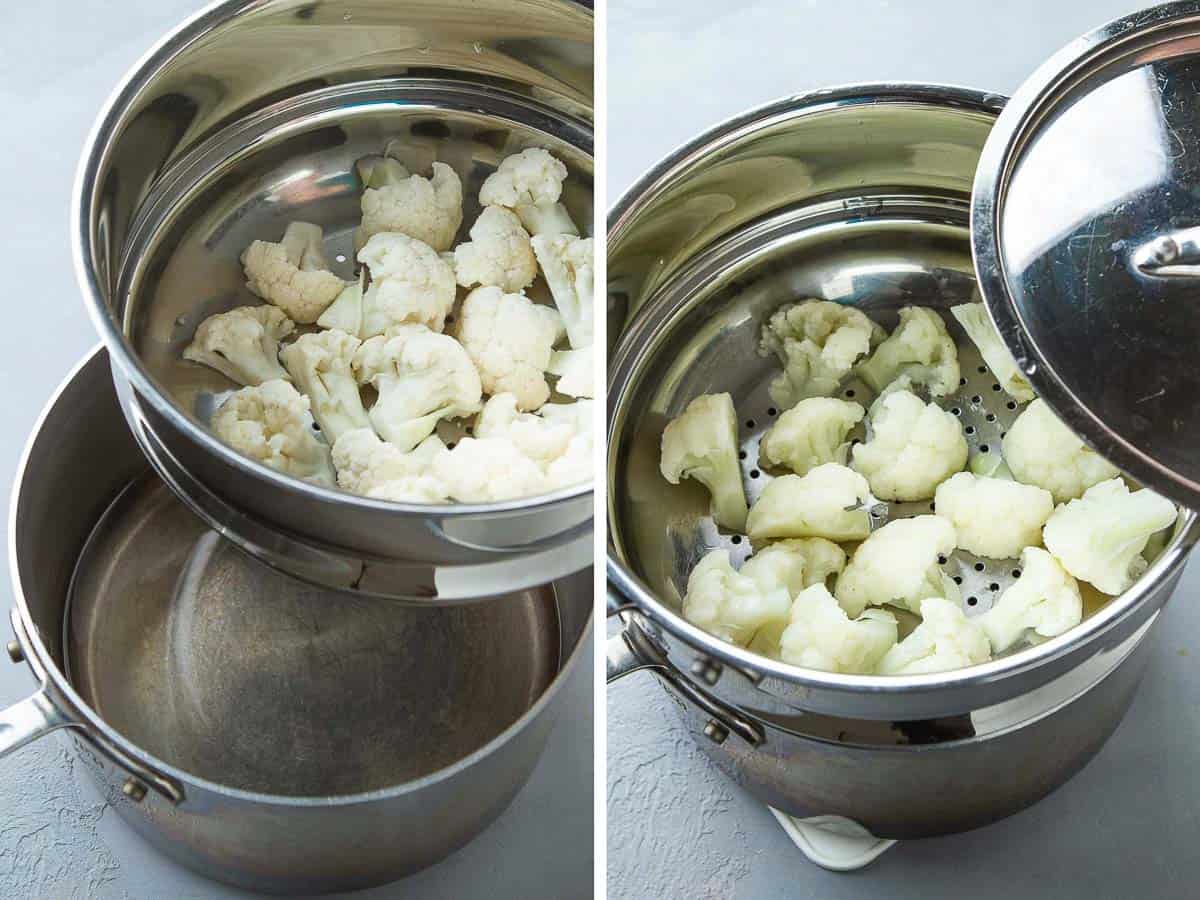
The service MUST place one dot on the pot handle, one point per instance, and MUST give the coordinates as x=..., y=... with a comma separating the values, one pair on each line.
x=29, y=720
x=629, y=651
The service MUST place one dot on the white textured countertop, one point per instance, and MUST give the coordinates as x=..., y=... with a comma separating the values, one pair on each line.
x=1127, y=825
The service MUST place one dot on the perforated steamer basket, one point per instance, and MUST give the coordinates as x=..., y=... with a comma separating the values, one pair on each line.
x=859, y=195
x=251, y=115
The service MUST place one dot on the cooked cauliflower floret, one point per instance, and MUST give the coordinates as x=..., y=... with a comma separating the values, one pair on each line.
x=293, y=274
x=270, y=424
x=810, y=433
x=542, y=440
x=919, y=348
x=1045, y=601
x=422, y=377
x=899, y=565
x=574, y=369
x=242, y=344
x=818, y=343
x=499, y=253
x=821, y=636
x=529, y=177
x=510, y=339
x=428, y=209
x=1041, y=450
x=993, y=517
x=830, y=502
x=975, y=322
x=546, y=218
x=794, y=564
x=320, y=364
x=482, y=470
x=728, y=604
x=567, y=263
x=1099, y=538
x=946, y=639
x=912, y=447
x=702, y=444
x=374, y=468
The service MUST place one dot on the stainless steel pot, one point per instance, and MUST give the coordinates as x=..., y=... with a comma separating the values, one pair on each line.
x=258, y=730
x=861, y=195
x=252, y=114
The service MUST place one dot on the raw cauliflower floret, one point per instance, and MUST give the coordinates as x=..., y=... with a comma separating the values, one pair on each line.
x=422, y=377
x=428, y=209
x=542, y=440
x=794, y=564
x=574, y=369
x=510, y=339
x=702, y=444
x=912, y=447
x=499, y=253
x=919, y=348
x=1099, y=538
x=830, y=501
x=899, y=565
x=576, y=463
x=482, y=470
x=374, y=468
x=946, y=639
x=546, y=218
x=270, y=424
x=993, y=517
x=567, y=263
x=818, y=342
x=810, y=433
x=320, y=364
x=975, y=322
x=730, y=605
x=821, y=636
x=242, y=344
x=1045, y=600
x=293, y=274
x=410, y=284
x=1041, y=450
x=530, y=177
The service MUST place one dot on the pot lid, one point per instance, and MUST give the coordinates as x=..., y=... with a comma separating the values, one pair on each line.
x=1086, y=232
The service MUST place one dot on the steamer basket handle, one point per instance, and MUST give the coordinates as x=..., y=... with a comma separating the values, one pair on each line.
x=629, y=651
x=29, y=720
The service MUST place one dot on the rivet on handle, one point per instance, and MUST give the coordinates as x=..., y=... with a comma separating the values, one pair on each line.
x=134, y=790
x=707, y=670
x=715, y=731
x=15, y=653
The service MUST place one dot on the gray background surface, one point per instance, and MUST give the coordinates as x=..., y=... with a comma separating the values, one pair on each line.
x=58, y=62
x=1128, y=825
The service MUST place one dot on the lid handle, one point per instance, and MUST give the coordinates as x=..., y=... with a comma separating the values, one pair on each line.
x=1175, y=254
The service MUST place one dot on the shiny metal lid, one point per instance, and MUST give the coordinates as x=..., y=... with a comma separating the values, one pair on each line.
x=1086, y=230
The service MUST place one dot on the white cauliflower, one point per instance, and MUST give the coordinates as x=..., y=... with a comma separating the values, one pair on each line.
x=482, y=470
x=576, y=463
x=422, y=377
x=510, y=339
x=793, y=564
x=912, y=447
x=729, y=605
x=830, y=502
x=702, y=444
x=919, y=348
x=975, y=322
x=568, y=265
x=320, y=364
x=542, y=440
x=821, y=636
x=428, y=209
x=574, y=369
x=899, y=565
x=818, y=343
x=1099, y=537
x=270, y=424
x=1045, y=600
x=293, y=274
x=242, y=344
x=410, y=284
x=810, y=433
x=374, y=468
x=946, y=639
x=546, y=218
x=1041, y=450
x=993, y=517
x=499, y=253
x=530, y=177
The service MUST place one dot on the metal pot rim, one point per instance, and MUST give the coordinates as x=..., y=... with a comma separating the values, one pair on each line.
x=96, y=729
x=633, y=590
x=94, y=151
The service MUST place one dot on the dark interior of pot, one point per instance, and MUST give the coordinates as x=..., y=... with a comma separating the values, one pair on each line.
x=232, y=672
